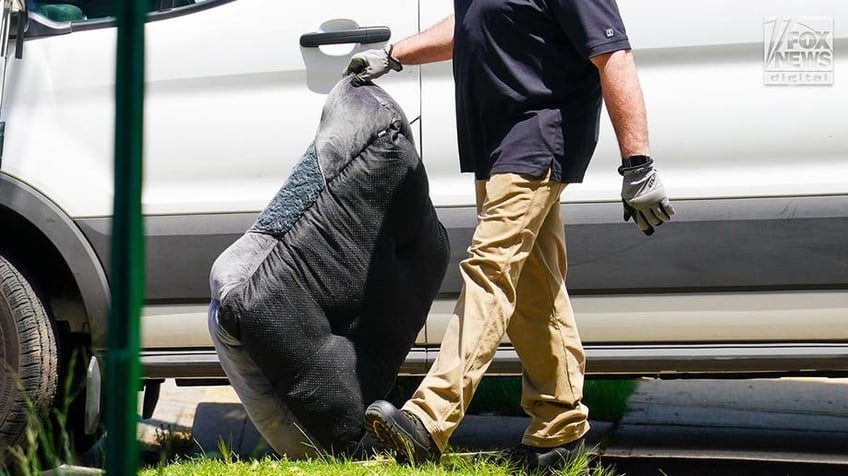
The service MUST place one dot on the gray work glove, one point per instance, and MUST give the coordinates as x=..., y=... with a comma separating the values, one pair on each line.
x=371, y=64
x=643, y=195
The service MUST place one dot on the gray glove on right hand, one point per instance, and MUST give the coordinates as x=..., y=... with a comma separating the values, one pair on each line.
x=643, y=195
x=371, y=64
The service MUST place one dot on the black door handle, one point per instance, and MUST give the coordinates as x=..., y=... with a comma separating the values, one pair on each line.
x=365, y=34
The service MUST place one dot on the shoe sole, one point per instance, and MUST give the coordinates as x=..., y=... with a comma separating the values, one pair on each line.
x=387, y=432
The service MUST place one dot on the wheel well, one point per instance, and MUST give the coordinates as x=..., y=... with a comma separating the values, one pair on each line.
x=40, y=262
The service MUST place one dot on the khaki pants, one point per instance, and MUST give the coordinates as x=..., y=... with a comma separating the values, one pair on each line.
x=514, y=282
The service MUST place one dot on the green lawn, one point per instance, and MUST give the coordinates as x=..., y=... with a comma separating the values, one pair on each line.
x=607, y=400
x=451, y=464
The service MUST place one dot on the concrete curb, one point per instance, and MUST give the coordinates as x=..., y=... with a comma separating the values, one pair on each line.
x=798, y=420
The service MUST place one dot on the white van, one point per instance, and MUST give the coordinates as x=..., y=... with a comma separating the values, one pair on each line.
x=748, y=107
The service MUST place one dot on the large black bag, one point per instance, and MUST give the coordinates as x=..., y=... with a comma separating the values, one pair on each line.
x=328, y=289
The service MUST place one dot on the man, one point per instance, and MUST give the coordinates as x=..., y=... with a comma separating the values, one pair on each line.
x=530, y=76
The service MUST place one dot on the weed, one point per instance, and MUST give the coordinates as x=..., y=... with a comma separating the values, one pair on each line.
x=46, y=443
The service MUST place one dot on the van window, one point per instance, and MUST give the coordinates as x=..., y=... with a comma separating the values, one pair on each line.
x=85, y=10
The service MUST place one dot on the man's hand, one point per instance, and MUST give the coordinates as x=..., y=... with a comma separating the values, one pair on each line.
x=371, y=64
x=643, y=195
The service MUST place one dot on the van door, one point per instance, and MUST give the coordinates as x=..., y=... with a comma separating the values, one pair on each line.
x=746, y=106
x=7, y=23
x=232, y=98
x=723, y=125
x=232, y=101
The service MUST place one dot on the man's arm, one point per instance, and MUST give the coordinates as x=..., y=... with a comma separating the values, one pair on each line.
x=431, y=45
x=625, y=105
x=642, y=192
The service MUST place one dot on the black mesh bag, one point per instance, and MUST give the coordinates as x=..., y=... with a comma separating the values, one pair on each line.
x=329, y=288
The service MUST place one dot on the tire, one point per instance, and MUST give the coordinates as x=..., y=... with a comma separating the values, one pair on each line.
x=28, y=356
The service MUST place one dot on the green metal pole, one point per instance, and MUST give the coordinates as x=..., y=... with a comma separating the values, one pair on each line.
x=127, y=257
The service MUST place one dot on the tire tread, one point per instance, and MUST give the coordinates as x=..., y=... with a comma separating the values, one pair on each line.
x=37, y=368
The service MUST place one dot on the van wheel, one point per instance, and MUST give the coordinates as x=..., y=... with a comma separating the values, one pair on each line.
x=28, y=357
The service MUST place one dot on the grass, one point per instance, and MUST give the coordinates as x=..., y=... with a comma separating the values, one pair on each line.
x=46, y=442
x=582, y=463
x=606, y=398
x=168, y=444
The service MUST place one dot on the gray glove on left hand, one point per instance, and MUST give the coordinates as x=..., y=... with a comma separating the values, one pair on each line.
x=643, y=195
x=371, y=64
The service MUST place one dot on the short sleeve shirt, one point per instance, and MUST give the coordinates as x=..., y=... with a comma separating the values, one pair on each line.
x=528, y=98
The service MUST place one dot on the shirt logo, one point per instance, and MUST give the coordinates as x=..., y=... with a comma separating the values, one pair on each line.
x=609, y=32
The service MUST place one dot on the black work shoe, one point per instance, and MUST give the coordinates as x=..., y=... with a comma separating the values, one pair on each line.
x=400, y=431
x=533, y=458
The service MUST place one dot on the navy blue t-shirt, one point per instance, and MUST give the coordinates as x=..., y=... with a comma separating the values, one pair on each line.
x=527, y=96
